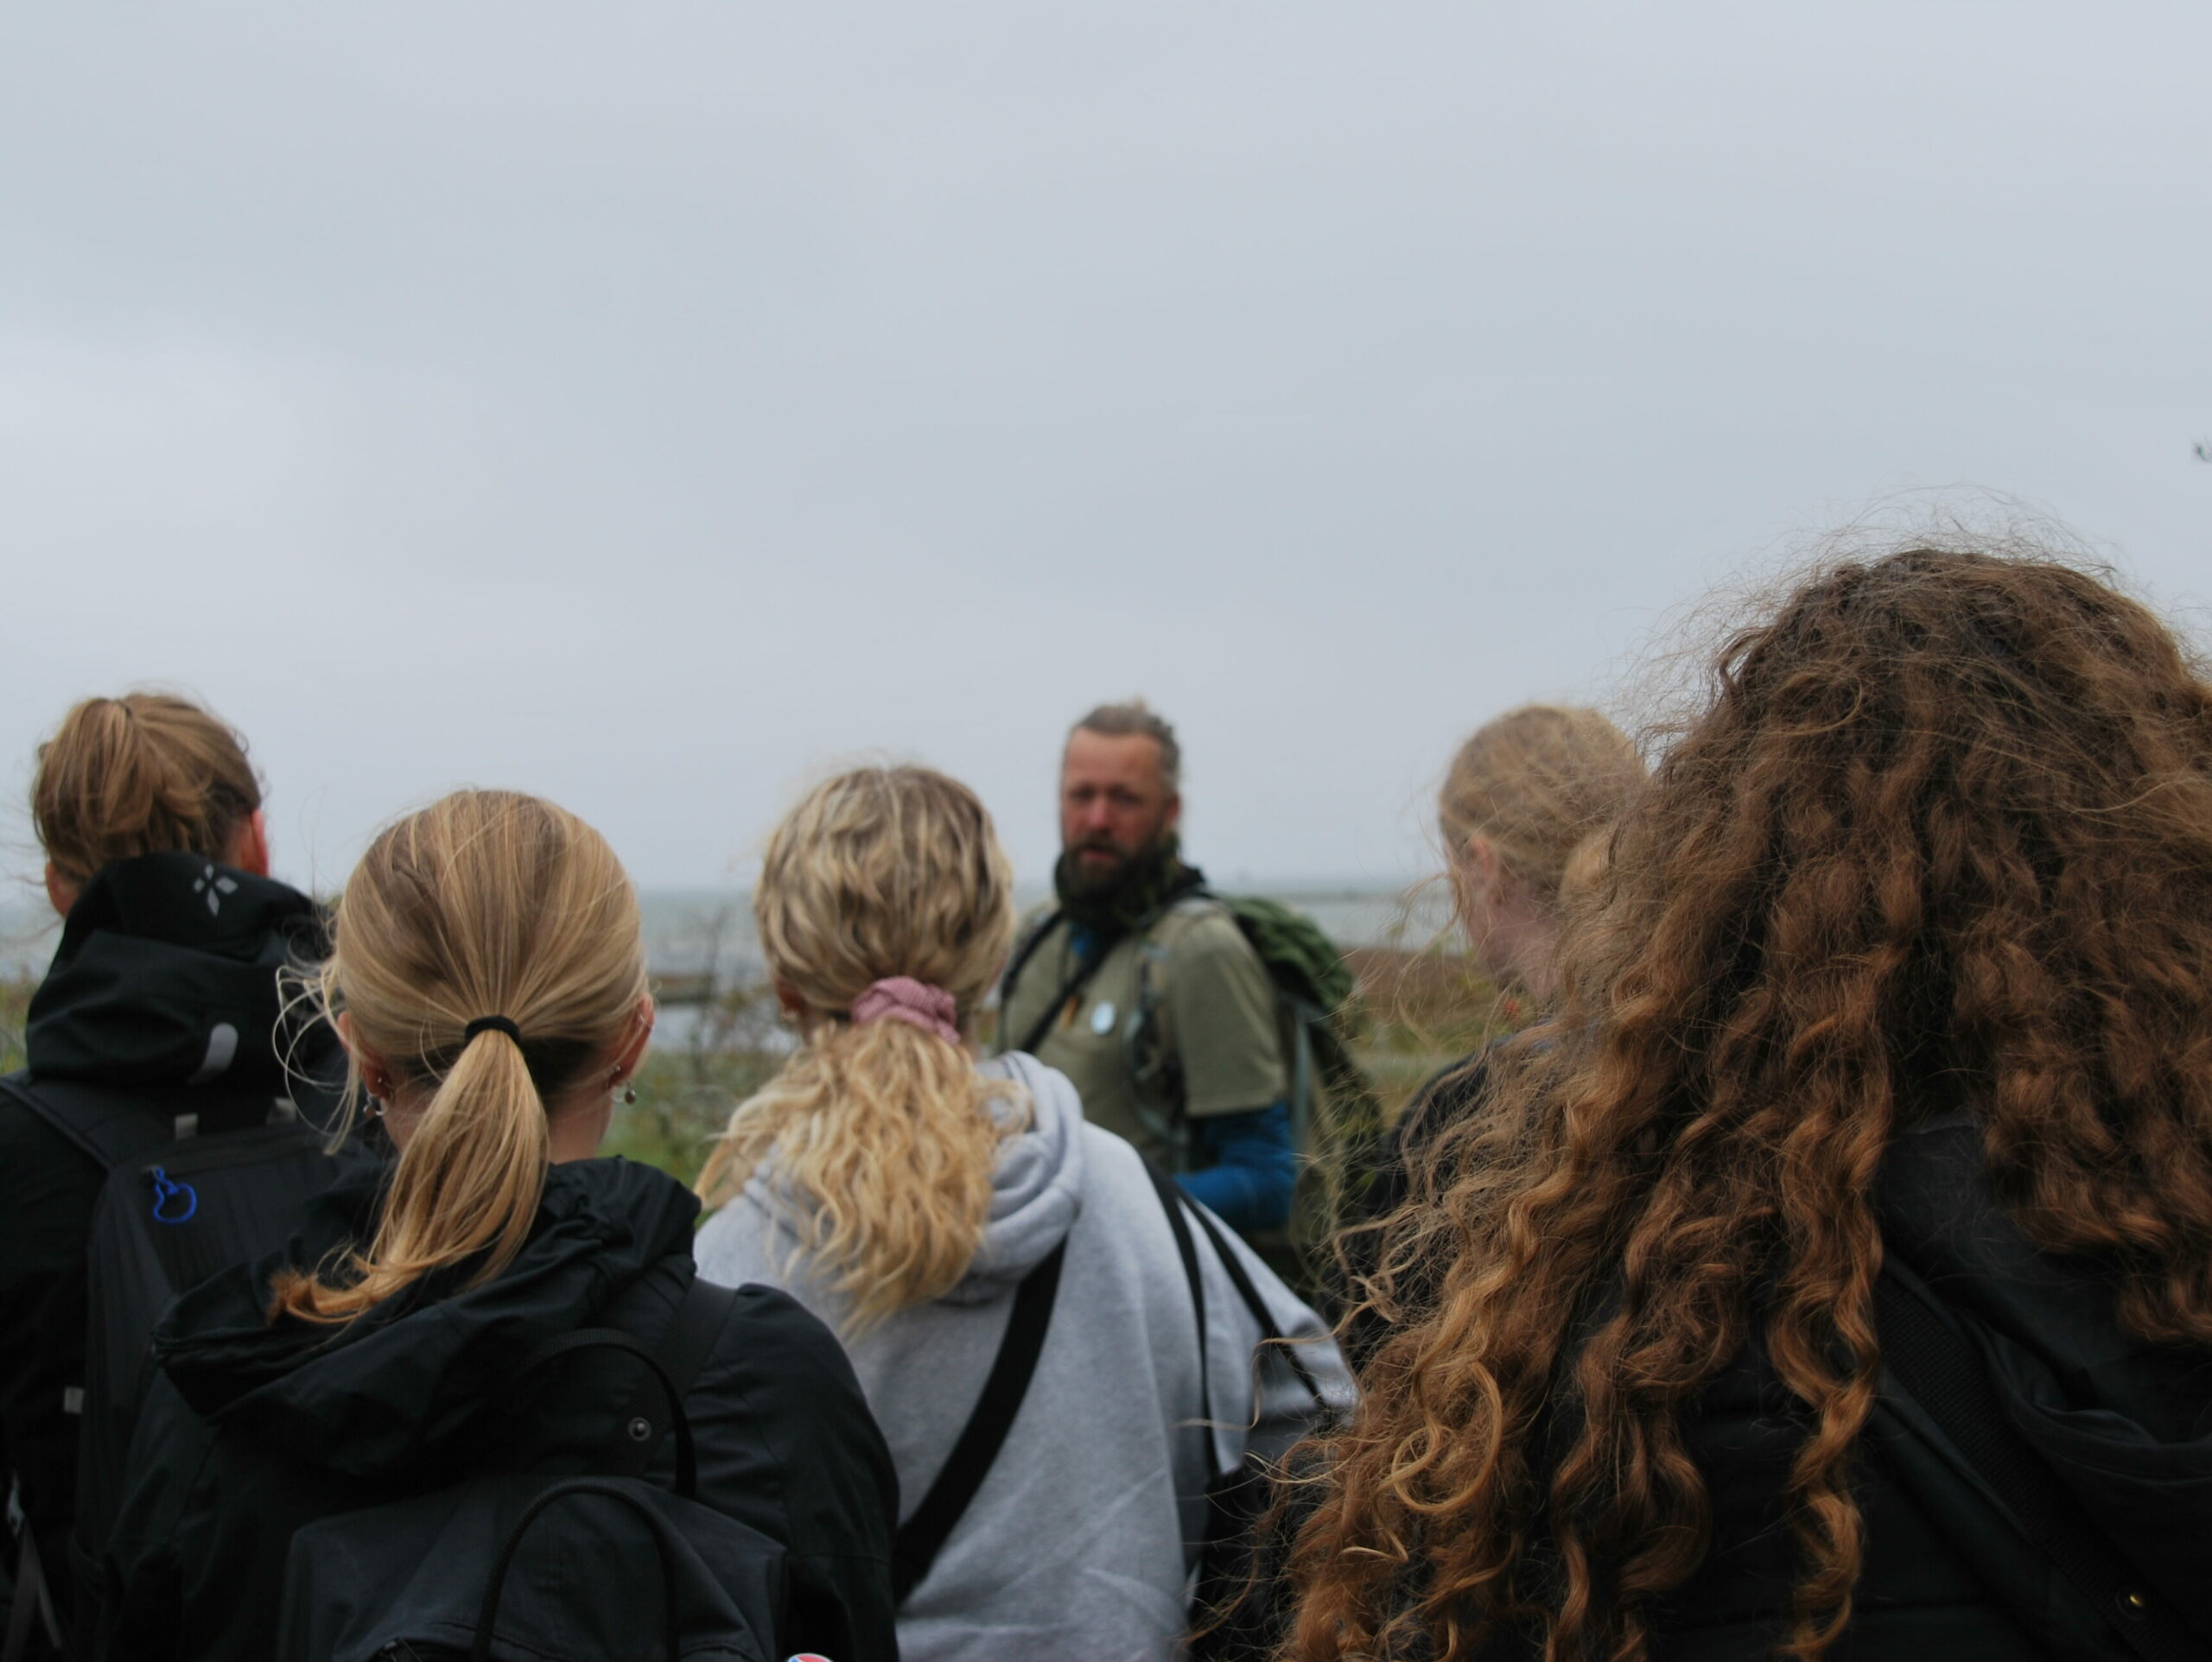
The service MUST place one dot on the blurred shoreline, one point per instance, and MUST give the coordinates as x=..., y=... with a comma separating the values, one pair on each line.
x=699, y=943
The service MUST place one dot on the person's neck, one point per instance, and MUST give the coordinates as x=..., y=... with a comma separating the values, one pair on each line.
x=1536, y=965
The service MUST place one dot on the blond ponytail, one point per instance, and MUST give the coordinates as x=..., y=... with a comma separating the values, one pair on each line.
x=884, y=1129
x=486, y=904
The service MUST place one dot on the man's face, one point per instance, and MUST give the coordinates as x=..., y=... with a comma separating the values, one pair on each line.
x=1113, y=805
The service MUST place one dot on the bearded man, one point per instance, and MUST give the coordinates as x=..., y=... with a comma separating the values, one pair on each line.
x=1141, y=987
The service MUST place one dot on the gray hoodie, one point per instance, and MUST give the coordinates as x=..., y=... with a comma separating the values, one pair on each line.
x=1073, y=1548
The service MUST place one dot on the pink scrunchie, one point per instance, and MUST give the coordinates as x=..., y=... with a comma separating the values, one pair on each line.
x=901, y=998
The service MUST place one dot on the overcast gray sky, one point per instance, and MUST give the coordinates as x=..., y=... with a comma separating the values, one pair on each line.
x=646, y=405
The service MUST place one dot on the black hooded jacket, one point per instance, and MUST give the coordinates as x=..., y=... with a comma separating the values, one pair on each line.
x=2126, y=1425
x=164, y=985
x=255, y=1430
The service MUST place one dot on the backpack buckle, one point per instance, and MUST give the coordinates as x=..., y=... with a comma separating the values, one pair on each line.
x=174, y=1201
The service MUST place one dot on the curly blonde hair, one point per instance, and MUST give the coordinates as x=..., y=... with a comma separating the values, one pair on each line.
x=887, y=1131
x=1947, y=817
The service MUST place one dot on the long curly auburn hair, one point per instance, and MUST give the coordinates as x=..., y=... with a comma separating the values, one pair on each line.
x=1947, y=816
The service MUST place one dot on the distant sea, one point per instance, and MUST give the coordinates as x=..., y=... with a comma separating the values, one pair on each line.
x=690, y=932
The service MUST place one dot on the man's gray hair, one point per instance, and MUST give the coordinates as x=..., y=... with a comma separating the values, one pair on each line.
x=1134, y=716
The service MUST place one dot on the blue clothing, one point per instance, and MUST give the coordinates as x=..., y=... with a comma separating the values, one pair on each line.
x=1252, y=1167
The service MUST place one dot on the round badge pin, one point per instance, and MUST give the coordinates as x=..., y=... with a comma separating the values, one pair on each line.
x=1102, y=1018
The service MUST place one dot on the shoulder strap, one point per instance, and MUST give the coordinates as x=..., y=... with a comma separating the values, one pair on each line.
x=1271, y=1340
x=1171, y=1202
x=1941, y=1370
x=111, y=1127
x=923, y=1536
x=1176, y=1204
x=1026, y=951
x=1084, y=969
x=700, y=1317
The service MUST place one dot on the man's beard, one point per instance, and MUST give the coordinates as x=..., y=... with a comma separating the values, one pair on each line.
x=1094, y=880
x=1123, y=896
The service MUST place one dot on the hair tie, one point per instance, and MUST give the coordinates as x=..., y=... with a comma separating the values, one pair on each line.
x=901, y=998
x=490, y=1024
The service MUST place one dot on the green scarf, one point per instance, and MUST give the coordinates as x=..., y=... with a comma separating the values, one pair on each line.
x=1143, y=889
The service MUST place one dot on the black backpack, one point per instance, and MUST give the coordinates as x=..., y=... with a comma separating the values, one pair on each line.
x=198, y=1180
x=528, y=1568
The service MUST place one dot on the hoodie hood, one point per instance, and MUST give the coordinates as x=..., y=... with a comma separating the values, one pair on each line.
x=167, y=975
x=1036, y=1189
x=2127, y=1423
x=411, y=1380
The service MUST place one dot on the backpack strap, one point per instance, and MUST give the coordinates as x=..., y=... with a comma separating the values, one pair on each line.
x=117, y=1127
x=1084, y=970
x=1943, y=1370
x=657, y=1531
x=700, y=1317
x=112, y=1128
x=687, y=1460
x=1171, y=1202
x=34, y=1601
x=923, y=1536
x=1271, y=1342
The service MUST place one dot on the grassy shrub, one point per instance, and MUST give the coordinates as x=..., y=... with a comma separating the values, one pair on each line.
x=1423, y=1010
x=685, y=1093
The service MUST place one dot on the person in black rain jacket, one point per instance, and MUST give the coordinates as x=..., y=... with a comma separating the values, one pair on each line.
x=164, y=987
x=1830, y=1275
x=488, y=977
x=1525, y=813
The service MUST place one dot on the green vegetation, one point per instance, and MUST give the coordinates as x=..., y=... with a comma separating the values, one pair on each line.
x=734, y=1045
x=1421, y=1012
x=15, y=1011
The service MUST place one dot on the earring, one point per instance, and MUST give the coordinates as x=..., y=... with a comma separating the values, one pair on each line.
x=629, y=1094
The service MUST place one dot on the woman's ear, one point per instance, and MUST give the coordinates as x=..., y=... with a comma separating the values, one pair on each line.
x=376, y=1073
x=1480, y=869
x=788, y=999
x=631, y=1054
x=60, y=890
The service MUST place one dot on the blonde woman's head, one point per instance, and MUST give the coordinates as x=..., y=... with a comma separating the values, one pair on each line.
x=487, y=910
x=884, y=872
x=883, y=1127
x=147, y=773
x=1525, y=813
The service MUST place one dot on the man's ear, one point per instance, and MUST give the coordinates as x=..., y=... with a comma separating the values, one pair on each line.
x=60, y=890
x=1174, y=817
x=249, y=849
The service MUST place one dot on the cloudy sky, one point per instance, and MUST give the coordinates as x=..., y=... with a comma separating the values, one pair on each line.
x=649, y=405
